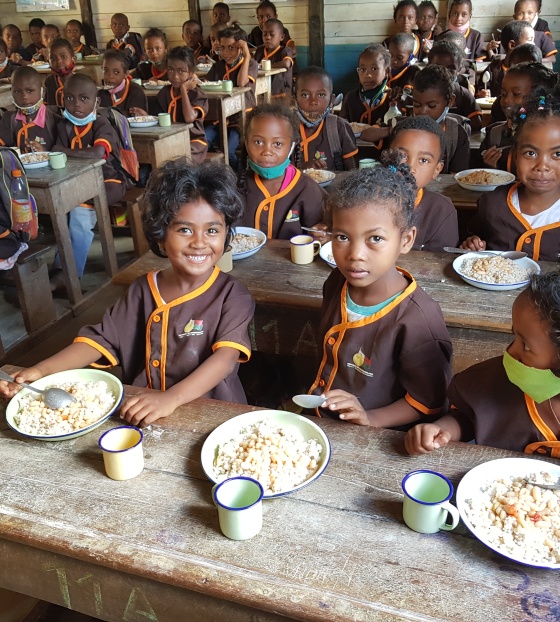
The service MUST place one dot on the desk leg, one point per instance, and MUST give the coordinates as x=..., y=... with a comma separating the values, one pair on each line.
x=268, y=94
x=104, y=226
x=223, y=125
x=243, y=115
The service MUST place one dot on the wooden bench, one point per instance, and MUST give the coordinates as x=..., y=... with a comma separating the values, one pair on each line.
x=31, y=279
x=134, y=221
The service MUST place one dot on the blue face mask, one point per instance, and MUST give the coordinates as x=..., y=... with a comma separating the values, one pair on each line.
x=443, y=115
x=269, y=173
x=84, y=121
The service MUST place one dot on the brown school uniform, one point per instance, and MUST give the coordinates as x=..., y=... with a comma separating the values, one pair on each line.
x=98, y=133
x=457, y=147
x=222, y=71
x=404, y=350
x=200, y=50
x=167, y=102
x=356, y=109
x=8, y=70
x=503, y=228
x=131, y=96
x=33, y=49
x=465, y=102
x=497, y=70
x=404, y=78
x=15, y=133
x=475, y=48
x=546, y=45
x=168, y=340
x=281, y=83
x=496, y=112
x=281, y=216
x=131, y=45
x=494, y=412
x=417, y=45
x=499, y=135
x=54, y=90
x=255, y=37
x=146, y=70
x=83, y=49
x=436, y=221
x=542, y=26
x=429, y=37
x=333, y=139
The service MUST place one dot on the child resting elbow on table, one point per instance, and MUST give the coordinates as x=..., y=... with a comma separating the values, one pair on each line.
x=511, y=402
x=182, y=330
x=279, y=54
x=120, y=91
x=155, y=68
x=386, y=350
x=422, y=142
x=279, y=198
x=63, y=62
x=327, y=141
x=525, y=215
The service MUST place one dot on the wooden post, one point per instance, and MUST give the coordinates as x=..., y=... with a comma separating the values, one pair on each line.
x=87, y=23
x=316, y=33
x=194, y=9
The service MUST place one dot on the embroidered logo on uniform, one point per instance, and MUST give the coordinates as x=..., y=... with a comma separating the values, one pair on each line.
x=292, y=215
x=361, y=363
x=467, y=51
x=193, y=328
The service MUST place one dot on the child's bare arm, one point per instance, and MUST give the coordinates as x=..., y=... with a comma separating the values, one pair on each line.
x=138, y=112
x=148, y=407
x=243, y=75
x=285, y=63
x=474, y=243
x=189, y=113
x=426, y=437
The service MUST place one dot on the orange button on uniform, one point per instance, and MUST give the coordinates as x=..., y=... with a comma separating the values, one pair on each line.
x=321, y=383
x=157, y=318
x=527, y=241
x=331, y=341
x=155, y=363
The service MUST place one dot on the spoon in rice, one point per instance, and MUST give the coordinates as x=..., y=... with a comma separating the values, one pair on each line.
x=506, y=254
x=553, y=486
x=54, y=398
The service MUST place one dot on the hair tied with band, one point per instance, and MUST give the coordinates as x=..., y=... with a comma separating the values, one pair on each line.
x=541, y=103
x=522, y=113
x=393, y=168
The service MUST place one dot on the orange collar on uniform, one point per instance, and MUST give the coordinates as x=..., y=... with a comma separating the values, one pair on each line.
x=468, y=32
x=306, y=140
x=79, y=48
x=271, y=54
x=172, y=108
x=158, y=74
x=80, y=132
x=117, y=100
x=269, y=202
x=118, y=45
x=229, y=69
x=367, y=114
x=393, y=78
x=59, y=95
x=419, y=197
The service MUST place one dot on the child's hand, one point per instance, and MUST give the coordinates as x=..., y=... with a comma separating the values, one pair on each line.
x=474, y=243
x=373, y=134
x=9, y=389
x=425, y=437
x=492, y=156
x=137, y=112
x=316, y=163
x=190, y=84
x=145, y=408
x=484, y=93
x=492, y=45
x=243, y=48
x=347, y=405
x=321, y=235
x=15, y=57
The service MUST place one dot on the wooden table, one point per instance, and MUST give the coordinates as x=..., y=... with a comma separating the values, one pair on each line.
x=6, y=97
x=289, y=299
x=93, y=68
x=151, y=549
x=263, y=85
x=57, y=192
x=155, y=145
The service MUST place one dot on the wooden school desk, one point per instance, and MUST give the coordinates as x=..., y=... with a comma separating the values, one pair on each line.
x=155, y=145
x=151, y=549
x=263, y=85
x=6, y=97
x=289, y=299
x=93, y=67
x=57, y=192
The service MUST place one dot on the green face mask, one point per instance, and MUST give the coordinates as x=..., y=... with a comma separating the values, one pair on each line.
x=538, y=384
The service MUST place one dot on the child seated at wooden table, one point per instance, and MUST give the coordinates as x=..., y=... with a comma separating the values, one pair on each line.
x=448, y=55
x=35, y=25
x=518, y=84
x=33, y=126
x=422, y=142
x=432, y=95
x=192, y=36
x=265, y=11
x=525, y=215
x=183, y=99
x=16, y=52
x=511, y=402
x=130, y=43
x=213, y=55
x=280, y=56
x=122, y=92
x=404, y=16
x=190, y=328
x=84, y=134
x=279, y=198
x=49, y=34
x=528, y=11
x=7, y=67
x=155, y=68
x=459, y=20
x=74, y=32
x=428, y=27
x=63, y=63
x=236, y=65
x=386, y=350
x=403, y=67
x=327, y=140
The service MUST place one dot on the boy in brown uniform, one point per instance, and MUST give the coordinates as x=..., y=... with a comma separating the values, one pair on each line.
x=403, y=69
x=130, y=43
x=33, y=127
x=7, y=68
x=123, y=93
x=274, y=49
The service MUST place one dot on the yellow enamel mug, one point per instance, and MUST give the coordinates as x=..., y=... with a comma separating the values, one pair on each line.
x=123, y=454
x=304, y=248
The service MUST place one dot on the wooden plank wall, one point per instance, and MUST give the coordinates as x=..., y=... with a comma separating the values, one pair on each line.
x=141, y=14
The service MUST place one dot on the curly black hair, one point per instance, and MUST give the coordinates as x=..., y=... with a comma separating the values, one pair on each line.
x=178, y=182
x=378, y=49
x=267, y=4
x=233, y=32
x=156, y=33
x=428, y=4
x=403, y=40
x=421, y=123
x=390, y=185
x=434, y=77
x=512, y=31
x=119, y=56
x=455, y=2
x=401, y=5
x=313, y=72
x=541, y=107
x=525, y=53
x=184, y=54
x=537, y=2
x=60, y=42
x=447, y=47
x=544, y=289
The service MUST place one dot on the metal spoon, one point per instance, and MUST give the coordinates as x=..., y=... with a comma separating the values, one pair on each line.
x=554, y=486
x=308, y=401
x=505, y=254
x=486, y=78
x=54, y=398
x=315, y=230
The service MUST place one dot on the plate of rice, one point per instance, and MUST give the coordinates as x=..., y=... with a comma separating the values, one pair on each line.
x=155, y=85
x=146, y=121
x=486, y=103
x=483, y=179
x=510, y=516
x=285, y=452
x=321, y=176
x=37, y=159
x=326, y=254
x=358, y=128
x=98, y=395
x=246, y=241
x=493, y=272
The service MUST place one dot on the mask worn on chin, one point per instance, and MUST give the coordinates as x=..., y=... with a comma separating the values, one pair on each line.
x=80, y=122
x=443, y=115
x=65, y=70
x=535, y=20
x=271, y=172
x=118, y=88
x=30, y=110
x=4, y=64
x=539, y=384
x=312, y=119
x=462, y=29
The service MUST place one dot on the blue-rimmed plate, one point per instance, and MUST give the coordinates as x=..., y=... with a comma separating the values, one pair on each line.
x=326, y=254
x=528, y=264
x=302, y=426
x=246, y=236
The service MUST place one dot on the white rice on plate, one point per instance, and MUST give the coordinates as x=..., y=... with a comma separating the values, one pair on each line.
x=242, y=243
x=93, y=401
x=518, y=518
x=278, y=458
x=494, y=269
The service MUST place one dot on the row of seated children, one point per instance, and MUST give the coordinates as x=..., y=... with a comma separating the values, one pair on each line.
x=78, y=129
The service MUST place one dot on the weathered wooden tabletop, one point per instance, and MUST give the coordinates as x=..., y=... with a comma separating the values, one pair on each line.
x=151, y=549
x=155, y=145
